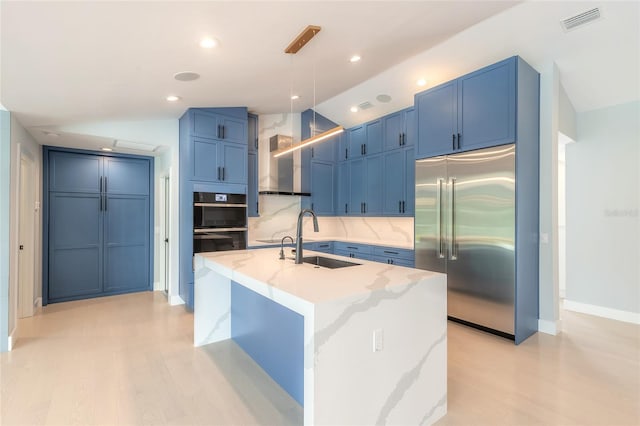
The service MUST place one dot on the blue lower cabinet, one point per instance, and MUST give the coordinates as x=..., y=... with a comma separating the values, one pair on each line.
x=324, y=247
x=394, y=256
x=272, y=335
x=354, y=250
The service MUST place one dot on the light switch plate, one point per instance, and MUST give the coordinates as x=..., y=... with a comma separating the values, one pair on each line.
x=378, y=340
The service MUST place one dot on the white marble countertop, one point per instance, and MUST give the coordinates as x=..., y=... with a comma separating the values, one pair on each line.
x=373, y=242
x=262, y=270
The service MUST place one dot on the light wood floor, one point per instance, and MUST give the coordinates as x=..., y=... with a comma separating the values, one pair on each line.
x=130, y=360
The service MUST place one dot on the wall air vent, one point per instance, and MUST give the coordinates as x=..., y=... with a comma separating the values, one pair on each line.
x=580, y=19
x=365, y=105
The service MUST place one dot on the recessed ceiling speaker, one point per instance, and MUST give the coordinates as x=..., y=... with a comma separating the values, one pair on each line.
x=186, y=76
x=383, y=98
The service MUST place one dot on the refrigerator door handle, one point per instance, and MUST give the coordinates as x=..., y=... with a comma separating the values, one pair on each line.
x=453, y=245
x=439, y=217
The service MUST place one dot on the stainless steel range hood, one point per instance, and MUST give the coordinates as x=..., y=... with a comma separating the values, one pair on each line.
x=283, y=165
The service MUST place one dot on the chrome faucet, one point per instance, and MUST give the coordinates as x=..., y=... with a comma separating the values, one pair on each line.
x=299, y=232
x=282, y=245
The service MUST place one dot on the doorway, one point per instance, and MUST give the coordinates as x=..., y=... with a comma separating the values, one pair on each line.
x=26, y=237
x=166, y=232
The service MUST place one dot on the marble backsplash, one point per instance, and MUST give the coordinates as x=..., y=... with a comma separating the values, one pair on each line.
x=279, y=217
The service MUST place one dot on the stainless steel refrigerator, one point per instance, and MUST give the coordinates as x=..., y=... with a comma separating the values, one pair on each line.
x=465, y=226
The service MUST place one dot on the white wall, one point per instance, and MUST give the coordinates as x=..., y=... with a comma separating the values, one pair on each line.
x=5, y=188
x=603, y=191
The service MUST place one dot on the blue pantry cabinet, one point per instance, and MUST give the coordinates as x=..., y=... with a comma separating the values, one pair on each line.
x=475, y=111
x=98, y=224
x=214, y=157
x=365, y=139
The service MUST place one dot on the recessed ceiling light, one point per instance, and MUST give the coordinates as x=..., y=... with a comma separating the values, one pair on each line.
x=421, y=82
x=354, y=109
x=295, y=97
x=173, y=98
x=186, y=76
x=107, y=149
x=355, y=58
x=208, y=43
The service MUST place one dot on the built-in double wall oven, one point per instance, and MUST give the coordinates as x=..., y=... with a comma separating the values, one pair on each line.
x=219, y=222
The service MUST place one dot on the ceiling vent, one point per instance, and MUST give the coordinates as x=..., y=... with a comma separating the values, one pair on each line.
x=365, y=105
x=580, y=19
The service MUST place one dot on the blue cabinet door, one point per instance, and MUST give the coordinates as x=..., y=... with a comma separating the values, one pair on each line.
x=72, y=172
x=326, y=150
x=252, y=184
x=126, y=176
x=487, y=106
x=233, y=130
x=344, y=188
x=233, y=163
x=252, y=133
x=357, y=140
x=343, y=146
x=437, y=120
x=357, y=194
x=75, y=245
x=410, y=127
x=322, y=187
x=126, y=244
x=373, y=144
x=205, y=125
x=205, y=162
x=408, y=208
x=373, y=179
x=393, y=131
x=394, y=182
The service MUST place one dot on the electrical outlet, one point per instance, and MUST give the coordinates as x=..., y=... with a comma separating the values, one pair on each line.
x=378, y=340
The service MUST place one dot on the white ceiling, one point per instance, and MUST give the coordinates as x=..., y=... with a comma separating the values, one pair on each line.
x=65, y=64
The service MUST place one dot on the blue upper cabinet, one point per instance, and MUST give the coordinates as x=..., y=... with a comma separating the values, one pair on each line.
x=399, y=129
x=365, y=139
x=474, y=111
x=437, y=120
x=252, y=133
x=126, y=176
x=217, y=147
x=399, y=182
x=323, y=188
x=344, y=188
x=357, y=136
x=365, y=183
x=487, y=106
x=218, y=126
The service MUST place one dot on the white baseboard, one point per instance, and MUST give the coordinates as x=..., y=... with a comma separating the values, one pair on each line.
x=549, y=327
x=157, y=286
x=38, y=302
x=175, y=300
x=601, y=311
x=10, y=342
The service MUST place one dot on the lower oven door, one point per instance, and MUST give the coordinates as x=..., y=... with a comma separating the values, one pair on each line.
x=219, y=241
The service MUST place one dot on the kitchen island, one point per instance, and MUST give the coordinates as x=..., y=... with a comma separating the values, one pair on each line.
x=364, y=344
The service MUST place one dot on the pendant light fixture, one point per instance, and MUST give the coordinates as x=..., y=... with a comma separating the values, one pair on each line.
x=298, y=43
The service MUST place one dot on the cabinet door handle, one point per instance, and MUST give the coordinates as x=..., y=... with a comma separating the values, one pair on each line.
x=311, y=206
x=219, y=173
x=312, y=155
x=256, y=143
x=400, y=139
x=219, y=133
x=222, y=127
x=403, y=209
x=391, y=252
x=399, y=206
x=459, y=140
x=223, y=167
x=365, y=207
x=404, y=139
x=105, y=186
x=100, y=186
x=105, y=202
x=391, y=261
x=365, y=149
x=345, y=208
x=453, y=141
x=346, y=153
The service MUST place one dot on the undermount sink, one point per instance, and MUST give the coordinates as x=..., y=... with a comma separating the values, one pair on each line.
x=327, y=262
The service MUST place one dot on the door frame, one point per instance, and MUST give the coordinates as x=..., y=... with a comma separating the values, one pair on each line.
x=26, y=290
x=46, y=149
